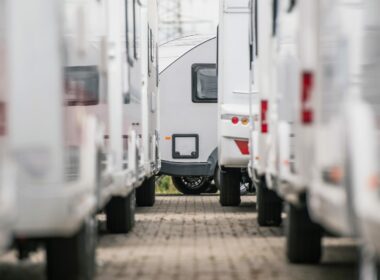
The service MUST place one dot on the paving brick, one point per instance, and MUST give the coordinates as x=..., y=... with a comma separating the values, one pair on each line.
x=192, y=237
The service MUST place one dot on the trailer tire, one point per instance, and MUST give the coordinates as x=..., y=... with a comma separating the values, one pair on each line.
x=73, y=257
x=229, y=186
x=191, y=185
x=146, y=193
x=120, y=213
x=303, y=237
x=269, y=205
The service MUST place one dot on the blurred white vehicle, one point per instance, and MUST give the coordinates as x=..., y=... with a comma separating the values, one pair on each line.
x=330, y=49
x=188, y=99
x=233, y=98
x=53, y=145
x=7, y=175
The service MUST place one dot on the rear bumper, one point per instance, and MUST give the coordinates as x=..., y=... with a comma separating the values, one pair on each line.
x=187, y=169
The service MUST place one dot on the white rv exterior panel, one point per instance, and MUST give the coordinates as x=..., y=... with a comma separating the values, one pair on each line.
x=179, y=114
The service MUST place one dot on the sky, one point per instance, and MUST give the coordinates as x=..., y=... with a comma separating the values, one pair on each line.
x=197, y=17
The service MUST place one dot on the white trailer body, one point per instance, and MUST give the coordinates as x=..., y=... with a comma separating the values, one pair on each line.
x=146, y=57
x=233, y=83
x=287, y=85
x=264, y=142
x=132, y=109
x=337, y=81
x=329, y=54
x=188, y=97
x=152, y=105
x=141, y=106
x=52, y=144
x=55, y=170
x=96, y=58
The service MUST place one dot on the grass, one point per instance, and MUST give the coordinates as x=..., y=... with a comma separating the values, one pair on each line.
x=164, y=185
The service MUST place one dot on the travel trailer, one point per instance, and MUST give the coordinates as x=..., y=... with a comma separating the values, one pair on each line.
x=141, y=105
x=233, y=72
x=317, y=49
x=101, y=65
x=272, y=49
x=327, y=95
x=85, y=157
x=305, y=150
x=53, y=144
x=7, y=190
x=188, y=100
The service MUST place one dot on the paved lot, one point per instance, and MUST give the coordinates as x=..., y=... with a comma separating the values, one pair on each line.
x=194, y=238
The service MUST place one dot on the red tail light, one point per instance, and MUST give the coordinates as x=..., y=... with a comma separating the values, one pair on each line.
x=264, y=116
x=307, y=115
x=235, y=120
x=243, y=146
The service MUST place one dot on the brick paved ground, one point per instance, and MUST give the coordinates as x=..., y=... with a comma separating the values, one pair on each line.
x=194, y=238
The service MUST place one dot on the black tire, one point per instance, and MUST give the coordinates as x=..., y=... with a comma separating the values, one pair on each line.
x=146, y=193
x=73, y=257
x=191, y=185
x=304, y=237
x=269, y=205
x=120, y=213
x=229, y=186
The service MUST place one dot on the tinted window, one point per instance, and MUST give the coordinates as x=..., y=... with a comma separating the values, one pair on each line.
x=82, y=85
x=204, y=83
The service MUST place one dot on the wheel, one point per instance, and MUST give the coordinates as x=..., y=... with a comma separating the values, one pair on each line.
x=73, y=257
x=269, y=206
x=229, y=186
x=146, y=193
x=120, y=213
x=191, y=184
x=303, y=237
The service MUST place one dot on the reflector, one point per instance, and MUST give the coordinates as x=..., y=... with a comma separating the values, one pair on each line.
x=243, y=146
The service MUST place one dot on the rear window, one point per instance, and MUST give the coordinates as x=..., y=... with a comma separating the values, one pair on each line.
x=82, y=85
x=204, y=83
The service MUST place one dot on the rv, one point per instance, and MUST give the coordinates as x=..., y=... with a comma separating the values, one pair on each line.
x=7, y=189
x=274, y=48
x=319, y=196
x=233, y=72
x=141, y=104
x=101, y=64
x=83, y=159
x=188, y=100
x=52, y=143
